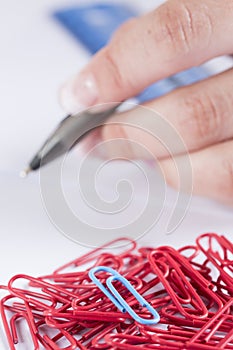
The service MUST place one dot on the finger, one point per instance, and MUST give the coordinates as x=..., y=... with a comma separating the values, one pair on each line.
x=212, y=171
x=177, y=35
x=201, y=114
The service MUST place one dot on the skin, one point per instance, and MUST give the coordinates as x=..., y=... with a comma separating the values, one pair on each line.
x=174, y=37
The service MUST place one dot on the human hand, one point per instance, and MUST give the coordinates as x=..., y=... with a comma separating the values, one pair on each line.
x=176, y=36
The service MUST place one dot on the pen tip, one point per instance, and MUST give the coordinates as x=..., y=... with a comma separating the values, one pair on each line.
x=24, y=173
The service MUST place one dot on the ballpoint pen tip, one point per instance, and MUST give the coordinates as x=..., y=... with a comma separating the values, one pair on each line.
x=24, y=173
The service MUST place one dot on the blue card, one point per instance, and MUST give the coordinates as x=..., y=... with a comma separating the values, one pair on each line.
x=94, y=24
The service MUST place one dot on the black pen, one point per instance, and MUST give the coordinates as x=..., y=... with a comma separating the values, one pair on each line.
x=68, y=133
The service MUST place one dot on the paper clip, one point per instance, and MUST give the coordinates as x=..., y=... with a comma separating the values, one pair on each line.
x=92, y=256
x=211, y=329
x=117, y=299
x=10, y=330
x=67, y=336
x=219, y=252
x=127, y=341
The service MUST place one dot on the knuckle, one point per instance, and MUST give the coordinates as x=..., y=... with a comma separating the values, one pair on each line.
x=116, y=58
x=181, y=26
x=113, y=67
x=205, y=115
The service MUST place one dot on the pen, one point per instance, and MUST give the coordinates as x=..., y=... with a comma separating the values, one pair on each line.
x=67, y=134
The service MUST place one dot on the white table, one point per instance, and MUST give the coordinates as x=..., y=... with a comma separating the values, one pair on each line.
x=37, y=55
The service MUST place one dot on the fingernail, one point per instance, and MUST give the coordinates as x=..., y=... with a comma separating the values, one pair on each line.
x=79, y=93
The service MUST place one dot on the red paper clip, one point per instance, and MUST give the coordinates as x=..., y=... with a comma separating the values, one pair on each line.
x=190, y=296
x=95, y=253
x=219, y=252
x=196, y=307
x=211, y=327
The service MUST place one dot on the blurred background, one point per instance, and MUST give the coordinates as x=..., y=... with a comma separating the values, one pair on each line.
x=37, y=55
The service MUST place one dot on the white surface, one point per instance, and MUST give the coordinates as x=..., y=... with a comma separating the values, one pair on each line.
x=36, y=57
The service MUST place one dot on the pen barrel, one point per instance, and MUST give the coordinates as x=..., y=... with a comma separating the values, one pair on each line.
x=68, y=133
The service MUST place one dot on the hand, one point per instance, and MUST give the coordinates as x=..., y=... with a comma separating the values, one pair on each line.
x=176, y=36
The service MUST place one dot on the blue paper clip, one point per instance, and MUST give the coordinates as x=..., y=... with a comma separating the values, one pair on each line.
x=118, y=300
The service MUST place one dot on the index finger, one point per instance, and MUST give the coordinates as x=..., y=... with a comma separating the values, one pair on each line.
x=177, y=35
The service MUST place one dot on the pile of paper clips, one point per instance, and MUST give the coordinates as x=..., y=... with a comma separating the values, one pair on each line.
x=138, y=298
